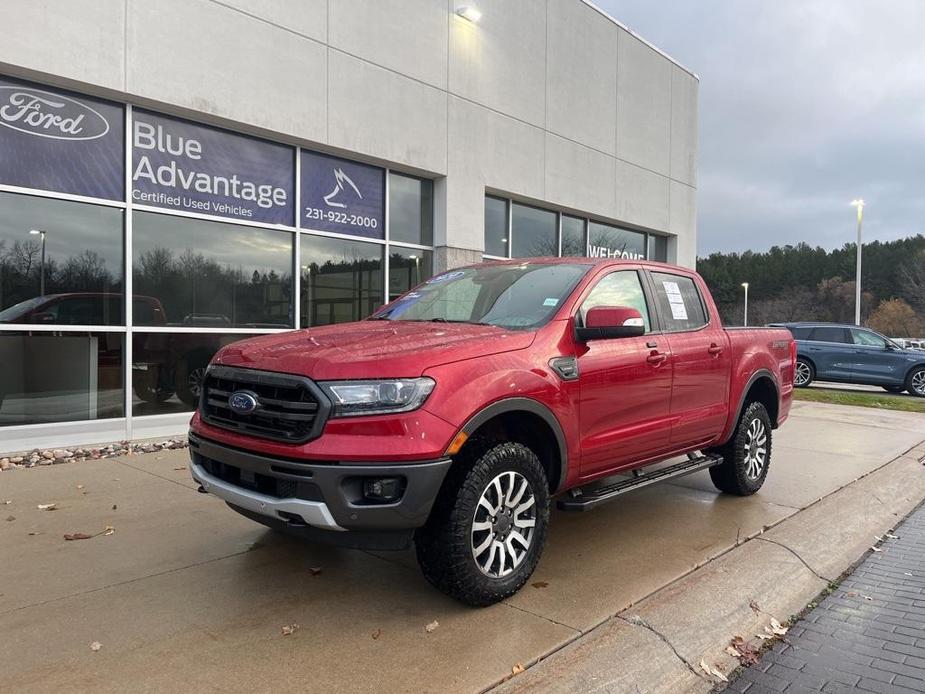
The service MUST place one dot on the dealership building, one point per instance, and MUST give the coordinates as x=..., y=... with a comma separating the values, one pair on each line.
x=181, y=174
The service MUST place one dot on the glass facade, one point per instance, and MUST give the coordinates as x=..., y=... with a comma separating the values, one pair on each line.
x=219, y=237
x=530, y=232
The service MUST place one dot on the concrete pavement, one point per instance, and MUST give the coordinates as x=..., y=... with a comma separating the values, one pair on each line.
x=186, y=594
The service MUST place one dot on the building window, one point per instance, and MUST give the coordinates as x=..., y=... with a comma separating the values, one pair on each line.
x=60, y=377
x=574, y=237
x=192, y=272
x=60, y=262
x=408, y=267
x=533, y=232
x=496, y=222
x=658, y=248
x=606, y=241
x=168, y=368
x=341, y=280
x=411, y=210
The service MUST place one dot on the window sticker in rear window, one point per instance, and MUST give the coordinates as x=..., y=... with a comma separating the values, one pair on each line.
x=675, y=300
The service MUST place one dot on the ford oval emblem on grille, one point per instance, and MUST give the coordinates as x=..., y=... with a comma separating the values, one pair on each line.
x=242, y=402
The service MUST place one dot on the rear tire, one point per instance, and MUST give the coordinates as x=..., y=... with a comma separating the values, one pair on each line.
x=805, y=373
x=915, y=382
x=747, y=455
x=494, y=501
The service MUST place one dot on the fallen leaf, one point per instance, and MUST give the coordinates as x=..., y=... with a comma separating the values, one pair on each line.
x=376, y=634
x=33, y=533
x=776, y=628
x=95, y=646
x=290, y=629
x=109, y=530
x=182, y=467
x=77, y=536
x=11, y=518
x=892, y=536
x=80, y=486
x=734, y=652
x=851, y=594
x=114, y=507
x=764, y=636
x=432, y=626
x=867, y=597
x=906, y=573
x=713, y=672
x=517, y=669
x=314, y=570
x=47, y=507
x=754, y=606
x=539, y=584
x=876, y=549
x=7, y=502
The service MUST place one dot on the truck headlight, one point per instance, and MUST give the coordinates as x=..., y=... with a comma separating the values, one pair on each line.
x=353, y=398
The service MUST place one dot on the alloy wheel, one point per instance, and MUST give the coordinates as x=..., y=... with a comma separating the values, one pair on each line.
x=503, y=524
x=918, y=382
x=756, y=449
x=194, y=381
x=802, y=375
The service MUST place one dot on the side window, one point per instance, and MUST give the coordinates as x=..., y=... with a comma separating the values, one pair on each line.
x=828, y=334
x=679, y=302
x=621, y=288
x=800, y=333
x=868, y=339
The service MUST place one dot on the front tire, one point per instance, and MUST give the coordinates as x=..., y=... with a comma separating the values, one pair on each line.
x=488, y=525
x=915, y=382
x=805, y=373
x=747, y=455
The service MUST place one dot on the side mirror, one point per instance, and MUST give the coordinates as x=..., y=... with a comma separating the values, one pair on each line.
x=606, y=322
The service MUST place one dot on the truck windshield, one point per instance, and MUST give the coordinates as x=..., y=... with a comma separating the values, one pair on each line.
x=511, y=296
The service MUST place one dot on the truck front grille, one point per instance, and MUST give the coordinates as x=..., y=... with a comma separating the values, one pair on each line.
x=289, y=408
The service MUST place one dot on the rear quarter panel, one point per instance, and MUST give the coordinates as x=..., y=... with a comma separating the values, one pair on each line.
x=756, y=352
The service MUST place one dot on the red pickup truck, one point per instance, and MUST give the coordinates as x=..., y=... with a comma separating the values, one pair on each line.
x=453, y=415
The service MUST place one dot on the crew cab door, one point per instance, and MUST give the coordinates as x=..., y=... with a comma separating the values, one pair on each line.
x=625, y=383
x=700, y=358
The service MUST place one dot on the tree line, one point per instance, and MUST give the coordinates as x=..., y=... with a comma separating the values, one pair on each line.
x=806, y=283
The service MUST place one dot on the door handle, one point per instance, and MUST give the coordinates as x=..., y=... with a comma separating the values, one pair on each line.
x=656, y=358
x=714, y=349
x=651, y=345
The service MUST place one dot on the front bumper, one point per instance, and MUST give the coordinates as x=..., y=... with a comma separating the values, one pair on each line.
x=305, y=497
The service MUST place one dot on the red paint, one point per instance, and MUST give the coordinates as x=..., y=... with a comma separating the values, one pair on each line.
x=637, y=399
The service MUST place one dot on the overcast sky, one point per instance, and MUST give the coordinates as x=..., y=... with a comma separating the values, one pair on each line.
x=804, y=105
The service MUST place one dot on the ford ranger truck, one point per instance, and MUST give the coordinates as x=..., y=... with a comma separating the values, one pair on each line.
x=452, y=416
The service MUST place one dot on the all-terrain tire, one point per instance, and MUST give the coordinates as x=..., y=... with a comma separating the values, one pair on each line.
x=745, y=467
x=805, y=373
x=915, y=382
x=446, y=545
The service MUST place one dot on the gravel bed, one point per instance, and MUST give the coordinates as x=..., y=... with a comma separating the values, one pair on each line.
x=55, y=456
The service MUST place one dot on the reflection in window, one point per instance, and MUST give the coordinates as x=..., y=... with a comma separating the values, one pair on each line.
x=496, y=239
x=573, y=236
x=411, y=209
x=618, y=289
x=612, y=242
x=408, y=267
x=209, y=274
x=79, y=280
x=60, y=378
x=167, y=369
x=533, y=231
x=341, y=280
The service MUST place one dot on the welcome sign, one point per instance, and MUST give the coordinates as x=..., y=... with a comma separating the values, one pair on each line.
x=58, y=141
x=196, y=168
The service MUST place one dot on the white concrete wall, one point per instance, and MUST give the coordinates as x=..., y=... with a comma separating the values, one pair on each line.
x=545, y=101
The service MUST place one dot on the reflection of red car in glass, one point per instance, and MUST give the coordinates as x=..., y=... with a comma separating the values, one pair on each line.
x=82, y=308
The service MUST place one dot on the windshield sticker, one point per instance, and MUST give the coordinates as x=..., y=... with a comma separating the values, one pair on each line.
x=446, y=277
x=551, y=302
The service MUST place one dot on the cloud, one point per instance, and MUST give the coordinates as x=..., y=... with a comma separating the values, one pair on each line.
x=804, y=105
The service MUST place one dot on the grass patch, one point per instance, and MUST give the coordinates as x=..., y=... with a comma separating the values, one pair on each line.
x=905, y=403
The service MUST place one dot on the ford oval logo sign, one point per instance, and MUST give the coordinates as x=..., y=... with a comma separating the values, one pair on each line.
x=242, y=402
x=46, y=114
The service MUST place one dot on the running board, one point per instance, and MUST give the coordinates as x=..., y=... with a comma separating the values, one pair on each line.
x=582, y=500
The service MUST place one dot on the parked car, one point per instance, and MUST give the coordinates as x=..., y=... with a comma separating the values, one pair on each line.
x=455, y=412
x=852, y=354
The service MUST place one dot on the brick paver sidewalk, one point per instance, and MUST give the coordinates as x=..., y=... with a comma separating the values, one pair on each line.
x=867, y=636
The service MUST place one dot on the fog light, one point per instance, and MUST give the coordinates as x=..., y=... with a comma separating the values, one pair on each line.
x=383, y=489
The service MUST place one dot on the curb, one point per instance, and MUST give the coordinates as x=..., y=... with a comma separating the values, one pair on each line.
x=658, y=644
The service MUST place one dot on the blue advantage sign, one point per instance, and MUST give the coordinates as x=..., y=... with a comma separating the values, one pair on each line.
x=197, y=168
x=342, y=196
x=57, y=141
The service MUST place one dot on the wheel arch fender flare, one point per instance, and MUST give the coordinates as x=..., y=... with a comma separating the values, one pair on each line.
x=759, y=374
x=531, y=406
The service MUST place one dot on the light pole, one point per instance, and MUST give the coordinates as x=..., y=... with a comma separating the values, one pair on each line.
x=857, y=276
x=745, y=321
x=40, y=232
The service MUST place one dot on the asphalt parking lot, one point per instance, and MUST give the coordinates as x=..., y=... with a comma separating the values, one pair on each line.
x=186, y=595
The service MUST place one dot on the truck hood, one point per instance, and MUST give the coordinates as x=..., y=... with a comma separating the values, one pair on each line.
x=371, y=349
